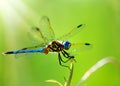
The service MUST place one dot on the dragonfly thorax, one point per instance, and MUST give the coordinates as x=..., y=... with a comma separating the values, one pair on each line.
x=57, y=46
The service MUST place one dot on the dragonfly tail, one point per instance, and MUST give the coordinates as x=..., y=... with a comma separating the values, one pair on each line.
x=23, y=51
x=10, y=52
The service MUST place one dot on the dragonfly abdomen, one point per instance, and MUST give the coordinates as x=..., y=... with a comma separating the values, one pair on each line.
x=24, y=51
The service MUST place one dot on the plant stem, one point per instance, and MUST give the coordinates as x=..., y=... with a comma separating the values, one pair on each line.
x=71, y=73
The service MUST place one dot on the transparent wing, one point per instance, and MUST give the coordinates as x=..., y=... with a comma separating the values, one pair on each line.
x=46, y=29
x=34, y=47
x=72, y=32
x=42, y=34
x=36, y=36
x=78, y=47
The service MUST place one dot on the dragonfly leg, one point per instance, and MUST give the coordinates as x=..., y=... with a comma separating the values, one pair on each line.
x=66, y=57
x=60, y=61
x=65, y=54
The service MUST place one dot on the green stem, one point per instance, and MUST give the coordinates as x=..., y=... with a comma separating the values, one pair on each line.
x=71, y=73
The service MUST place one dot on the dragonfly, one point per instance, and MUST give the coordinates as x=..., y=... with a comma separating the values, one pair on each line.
x=49, y=43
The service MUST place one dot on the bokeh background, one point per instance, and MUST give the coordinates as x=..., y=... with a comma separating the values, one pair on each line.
x=102, y=30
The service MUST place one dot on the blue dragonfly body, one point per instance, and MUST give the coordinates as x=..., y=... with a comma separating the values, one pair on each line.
x=48, y=43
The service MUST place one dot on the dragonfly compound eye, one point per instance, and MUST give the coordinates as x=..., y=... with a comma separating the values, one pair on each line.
x=67, y=45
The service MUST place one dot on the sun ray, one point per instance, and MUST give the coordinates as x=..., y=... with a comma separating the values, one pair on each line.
x=12, y=13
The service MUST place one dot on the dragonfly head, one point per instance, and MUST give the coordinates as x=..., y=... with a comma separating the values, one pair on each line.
x=67, y=45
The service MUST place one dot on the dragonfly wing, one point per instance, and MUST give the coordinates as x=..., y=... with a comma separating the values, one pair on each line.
x=43, y=33
x=46, y=29
x=79, y=47
x=72, y=32
x=36, y=36
x=34, y=47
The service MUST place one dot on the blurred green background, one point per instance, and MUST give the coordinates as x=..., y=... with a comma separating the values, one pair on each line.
x=102, y=30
